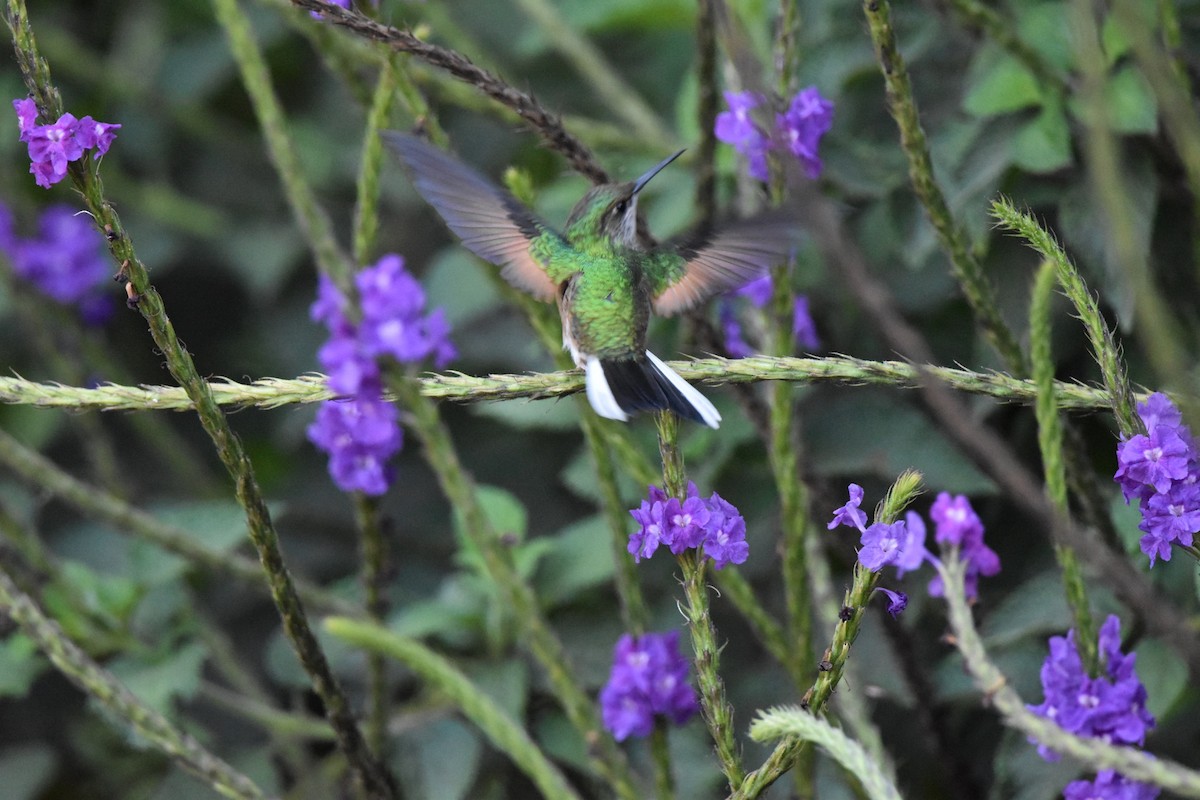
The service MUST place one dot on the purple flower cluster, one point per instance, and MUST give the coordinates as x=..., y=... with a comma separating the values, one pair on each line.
x=648, y=679
x=957, y=525
x=1111, y=707
x=66, y=261
x=1110, y=785
x=1160, y=468
x=52, y=147
x=897, y=544
x=713, y=524
x=362, y=432
x=797, y=131
x=758, y=292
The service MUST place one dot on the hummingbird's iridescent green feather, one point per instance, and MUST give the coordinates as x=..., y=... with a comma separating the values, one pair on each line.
x=684, y=273
x=491, y=223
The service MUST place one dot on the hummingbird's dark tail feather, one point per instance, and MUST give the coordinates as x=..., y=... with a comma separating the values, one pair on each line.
x=617, y=388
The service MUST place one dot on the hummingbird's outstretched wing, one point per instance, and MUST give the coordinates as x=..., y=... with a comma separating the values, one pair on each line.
x=687, y=271
x=492, y=224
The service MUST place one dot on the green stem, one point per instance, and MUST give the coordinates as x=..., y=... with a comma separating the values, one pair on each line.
x=718, y=714
x=664, y=784
x=505, y=733
x=366, y=206
x=103, y=687
x=374, y=578
x=1050, y=442
x=966, y=266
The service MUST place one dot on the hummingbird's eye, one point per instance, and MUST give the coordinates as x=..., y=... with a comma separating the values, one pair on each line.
x=621, y=206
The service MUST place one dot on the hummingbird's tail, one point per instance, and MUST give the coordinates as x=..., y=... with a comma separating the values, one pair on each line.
x=617, y=388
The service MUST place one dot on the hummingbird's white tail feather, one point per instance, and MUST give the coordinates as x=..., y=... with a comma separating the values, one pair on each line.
x=617, y=388
x=707, y=411
x=599, y=394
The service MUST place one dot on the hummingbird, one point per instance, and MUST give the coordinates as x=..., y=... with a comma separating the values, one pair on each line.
x=604, y=282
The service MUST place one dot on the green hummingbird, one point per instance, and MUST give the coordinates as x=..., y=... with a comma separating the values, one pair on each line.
x=605, y=284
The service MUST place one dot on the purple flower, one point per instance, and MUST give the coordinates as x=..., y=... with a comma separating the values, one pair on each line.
x=27, y=112
x=897, y=601
x=713, y=525
x=66, y=261
x=362, y=434
x=758, y=291
x=648, y=679
x=1110, y=785
x=881, y=544
x=912, y=550
x=1161, y=469
x=808, y=118
x=735, y=345
x=850, y=514
x=1111, y=706
x=339, y=3
x=737, y=127
x=52, y=147
x=804, y=330
x=955, y=522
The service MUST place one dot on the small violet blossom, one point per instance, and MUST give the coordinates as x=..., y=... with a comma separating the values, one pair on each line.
x=66, y=261
x=648, y=680
x=360, y=431
x=53, y=146
x=758, y=292
x=1161, y=468
x=957, y=525
x=713, y=525
x=798, y=130
x=1111, y=706
x=1110, y=785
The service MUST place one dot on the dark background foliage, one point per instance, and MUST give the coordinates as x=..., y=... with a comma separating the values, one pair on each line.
x=194, y=188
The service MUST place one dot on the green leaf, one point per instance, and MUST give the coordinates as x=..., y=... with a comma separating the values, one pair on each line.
x=579, y=558
x=1036, y=607
x=551, y=415
x=506, y=682
x=26, y=769
x=445, y=758
x=1045, y=26
x=158, y=683
x=20, y=664
x=1160, y=668
x=1044, y=143
x=998, y=84
x=1024, y=775
x=458, y=282
x=1129, y=103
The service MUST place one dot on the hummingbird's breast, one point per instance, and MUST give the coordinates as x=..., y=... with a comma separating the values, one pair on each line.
x=605, y=308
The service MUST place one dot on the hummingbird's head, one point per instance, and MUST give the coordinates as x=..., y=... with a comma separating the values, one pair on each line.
x=608, y=212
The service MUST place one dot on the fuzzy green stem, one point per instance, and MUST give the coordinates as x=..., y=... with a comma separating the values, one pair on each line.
x=706, y=112
x=902, y=492
x=314, y=225
x=1104, y=346
x=505, y=733
x=110, y=693
x=1130, y=762
x=953, y=238
x=1050, y=442
x=366, y=206
x=718, y=714
x=660, y=754
x=374, y=578
x=282, y=725
x=459, y=489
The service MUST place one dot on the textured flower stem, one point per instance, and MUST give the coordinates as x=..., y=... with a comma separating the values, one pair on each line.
x=1130, y=762
x=718, y=714
x=1050, y=442
x=459, y=489
x=1104, y=346
x=104, y=688
x=39, y=471
x=366, y=205
x=374, y=579
x=906, y=487
x=282, y=725
x=606, y=83
x=705, y=168
x=371, y=774
x=660, y=754
x=460, y=388
x=953, y=238
x=545, y=123
x=314, y=225
x=505, y=733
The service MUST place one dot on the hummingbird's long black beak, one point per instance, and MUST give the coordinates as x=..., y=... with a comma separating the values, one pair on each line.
x=642, y=181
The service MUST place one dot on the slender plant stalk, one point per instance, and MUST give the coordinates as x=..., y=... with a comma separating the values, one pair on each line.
x=373, y=544
x=718, y=714
x=706, y=112
x=1050, y=442
x=664, y=783
x=903, y=106
x=1104, y=345
x=505, y=733
x=606, y=83
x=459, y=489
x=372, y=775
x=313, y=222
x=366, y=206
x=110, y=693
x=279, y=724
x=1129, y=761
